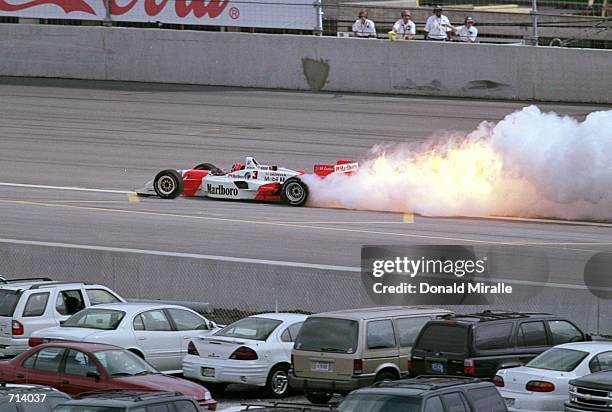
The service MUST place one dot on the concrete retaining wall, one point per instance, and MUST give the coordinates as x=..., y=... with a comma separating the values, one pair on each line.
x=307, y=63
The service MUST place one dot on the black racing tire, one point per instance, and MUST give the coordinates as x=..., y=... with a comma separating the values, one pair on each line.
x=386, y=375
x=277, y=385
x=168, y=184
x=319, y=398
x=205, y=166
x=294, y=192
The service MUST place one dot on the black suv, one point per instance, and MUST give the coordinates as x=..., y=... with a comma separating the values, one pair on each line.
x=479, y=344
x=426, y=394
x=130, y=401
x=29, y=398
x=591, y=393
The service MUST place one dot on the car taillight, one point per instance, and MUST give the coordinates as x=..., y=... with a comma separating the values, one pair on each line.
x=192, y=350
x=469, y=368
x=539, y=386
x=498, y=381
x=36, y=341
x=357, y=366
x=244, y=353
x=17, y=328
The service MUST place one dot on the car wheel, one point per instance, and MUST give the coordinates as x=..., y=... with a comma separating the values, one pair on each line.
x=168, y=184
x=385, y=376
x=277, y=384
x=294, y=192
x=205, y=166
x=319, y=398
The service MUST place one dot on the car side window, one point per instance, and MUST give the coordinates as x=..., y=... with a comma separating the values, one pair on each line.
x=185, y=406
x=487, y=399
x=78, y=363
x=69, y=302
x=47, y=360
x=601, y=362
x=380, y=334
x=532, y=334
x=291, y=332
x=493, y=336
x=433, y=405
x=101, y=296
x=160, y=407
x=185, y=320
x=155, y=320
x=138, y=323
x=409, y=329
x=36, y=305
x=455, y=402
x=564, y=332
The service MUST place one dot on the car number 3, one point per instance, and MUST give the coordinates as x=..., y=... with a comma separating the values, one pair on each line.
x=254, y=174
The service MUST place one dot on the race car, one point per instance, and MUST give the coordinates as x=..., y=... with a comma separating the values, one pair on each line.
x=245, y=181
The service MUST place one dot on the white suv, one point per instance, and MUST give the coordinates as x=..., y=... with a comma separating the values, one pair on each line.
x=27, y=305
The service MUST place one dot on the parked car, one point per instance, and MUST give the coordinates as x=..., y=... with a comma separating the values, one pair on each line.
x=590, y=393
x=479, y=344
x=426, y=394
x=337, y=352
x=76, y=367
x=27, y=305
x=29, y=398
x=130, y=401
x=543, y=383
x=255, y=350
x=157, y=333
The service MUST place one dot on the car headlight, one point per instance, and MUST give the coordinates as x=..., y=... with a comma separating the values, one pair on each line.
x=207, y=396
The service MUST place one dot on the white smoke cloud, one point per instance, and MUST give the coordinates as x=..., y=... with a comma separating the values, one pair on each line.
x=531, y=164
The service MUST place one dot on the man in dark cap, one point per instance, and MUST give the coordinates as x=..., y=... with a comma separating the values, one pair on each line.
x=437, y=26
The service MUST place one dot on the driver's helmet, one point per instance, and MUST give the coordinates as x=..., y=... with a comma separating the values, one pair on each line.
x=237, y=166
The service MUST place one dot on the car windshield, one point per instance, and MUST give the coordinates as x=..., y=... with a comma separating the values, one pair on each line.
x=255, y=328
x=105, y=319
x=328, y=335
x=8, y=301
x=87, y=408
x=443, y=338
x=119, y=362
x=380, y=403
x=558, y=359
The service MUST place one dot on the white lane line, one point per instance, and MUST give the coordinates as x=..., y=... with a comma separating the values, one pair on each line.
x=71, y=188
x=185, y=255
x=270, y=262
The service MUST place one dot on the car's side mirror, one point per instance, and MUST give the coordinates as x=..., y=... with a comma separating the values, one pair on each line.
x=62, y=322
x=94, y=374
x=211, y=324
x=588, y=337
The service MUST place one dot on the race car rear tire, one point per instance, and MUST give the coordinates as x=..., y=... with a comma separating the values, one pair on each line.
x=168, y=184
x=294, y=192
x=205, y=166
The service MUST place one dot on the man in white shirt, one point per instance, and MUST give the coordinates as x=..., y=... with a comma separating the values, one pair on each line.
x=363, y=27
x=404, y=27
x=468, y=32
x=437, y=26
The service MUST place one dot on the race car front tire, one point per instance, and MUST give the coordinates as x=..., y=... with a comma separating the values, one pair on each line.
x=168, y=184
x=294, y=192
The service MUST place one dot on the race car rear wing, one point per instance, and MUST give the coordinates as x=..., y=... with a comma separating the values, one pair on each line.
x=341, y=166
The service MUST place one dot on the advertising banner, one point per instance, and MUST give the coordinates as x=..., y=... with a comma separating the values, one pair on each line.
x=282, y=14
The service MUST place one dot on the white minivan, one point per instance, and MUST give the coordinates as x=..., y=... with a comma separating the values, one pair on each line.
x=30, y=304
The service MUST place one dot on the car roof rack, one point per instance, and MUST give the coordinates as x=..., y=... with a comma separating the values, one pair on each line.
x=302, y=407
x=57, y=283
x=24, y=387
x=432, y=382
x=489, y=315
x=41, y=279
x=127, y=395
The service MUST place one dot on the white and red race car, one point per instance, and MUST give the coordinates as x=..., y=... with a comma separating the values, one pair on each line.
x=248, y=181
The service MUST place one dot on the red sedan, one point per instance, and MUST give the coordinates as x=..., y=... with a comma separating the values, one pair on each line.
x=75, y=367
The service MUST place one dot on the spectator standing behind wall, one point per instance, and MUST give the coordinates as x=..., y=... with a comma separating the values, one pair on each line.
x=467, y=33
x=437, y=26
x=404, y=27
x=363, y=27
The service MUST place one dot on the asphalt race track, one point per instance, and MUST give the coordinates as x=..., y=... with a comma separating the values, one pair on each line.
x=58, y=137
